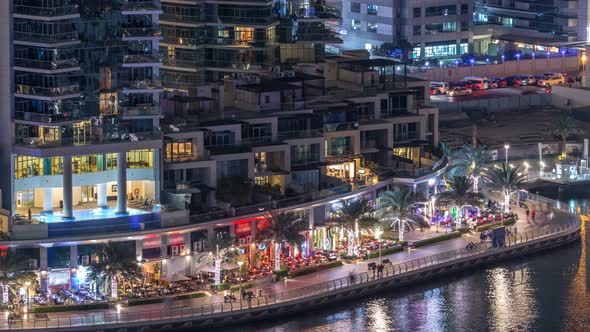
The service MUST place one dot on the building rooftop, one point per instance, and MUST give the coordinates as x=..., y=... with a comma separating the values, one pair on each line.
x=269, y=86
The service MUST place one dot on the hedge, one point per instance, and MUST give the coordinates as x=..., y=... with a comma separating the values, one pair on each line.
x=507, y=222
x=436, y=239
x=244, y=286
x=74, y=307
x=388, y=251
x=133, y=302
x=313, y=269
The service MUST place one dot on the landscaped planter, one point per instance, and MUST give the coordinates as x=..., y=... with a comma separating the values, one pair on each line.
x=440, y=238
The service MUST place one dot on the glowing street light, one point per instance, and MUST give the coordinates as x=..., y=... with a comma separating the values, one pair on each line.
x=506, y=147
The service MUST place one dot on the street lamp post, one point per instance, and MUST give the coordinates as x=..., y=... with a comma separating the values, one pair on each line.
x=507, y=193
x=457, y=64
x=533, y=54
x=441, y=71
x=472, y=64
x=548, y=59
x=378, y=233
x=563, y=61
x=240, y=263
x=518, y=63
x=427, y=65
x=504, y=64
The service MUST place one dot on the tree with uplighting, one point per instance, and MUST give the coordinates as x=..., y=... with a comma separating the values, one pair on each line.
x=283, y=228
x=563, y=128
x=13, y=273
x=469, y=161
x=396, y=209
x=507, y=180
x=354, y=216
x=115, y=264
x=460, y=195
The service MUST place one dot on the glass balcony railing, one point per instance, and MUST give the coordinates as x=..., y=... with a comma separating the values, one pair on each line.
x=109, y=137
x=47, y=92
x=139, y=110
x=45, y=38
x=141, y=84
x=139, y=5
x=47, y=118
x=46, y=11
x=182, y=18
x=142, y=58
x=183, y=63
x=47, y=65
x=137, y=32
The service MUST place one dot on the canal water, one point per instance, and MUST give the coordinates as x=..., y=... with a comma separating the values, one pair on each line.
x=548, y=291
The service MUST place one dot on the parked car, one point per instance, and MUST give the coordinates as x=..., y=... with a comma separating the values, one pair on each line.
x=515, y=81
x=499, y=82
x=465, y=84
x=459, y=91
x=478, y=83
x=439, y=87
x=550, y=80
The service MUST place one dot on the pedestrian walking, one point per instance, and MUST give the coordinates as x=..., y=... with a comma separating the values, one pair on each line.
x=515, y=229
x=482, y=237
x=533, y=215
x=527, y=214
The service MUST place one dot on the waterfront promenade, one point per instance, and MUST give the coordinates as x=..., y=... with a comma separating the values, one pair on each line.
x=308, y=285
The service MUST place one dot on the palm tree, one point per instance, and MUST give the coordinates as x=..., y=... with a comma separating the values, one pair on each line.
x=460, y=195
x=563, y=128
x=469, y=161
x=395, y=207
x=354, y=216
x=115, y=262
x=13, y=272
x=507, y=180
x=284, y=228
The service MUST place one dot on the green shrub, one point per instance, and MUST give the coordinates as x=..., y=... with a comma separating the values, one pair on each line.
x=244, y=286
x=486, y=227
x=281, y=273
x=463, y=229
x=436, y=239
x=349, y=257
x=388, y=251
x=146, y=301
x=312, y=269
x=74, y=307
x=221, y=286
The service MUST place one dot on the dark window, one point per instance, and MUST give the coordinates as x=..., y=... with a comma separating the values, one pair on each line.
x=417, y=12
x=464, y=9
x=355, y=7
x=441, y=10
x=417, y=30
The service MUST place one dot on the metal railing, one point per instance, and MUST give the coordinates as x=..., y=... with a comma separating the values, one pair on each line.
x=327, y=287
x=46, y=11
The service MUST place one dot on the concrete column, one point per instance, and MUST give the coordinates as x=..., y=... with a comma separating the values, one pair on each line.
x=253, y=230
x=68, y=212
x=139, y=250
x=586, y=148
x=101, y=195
x=164, y=254
x=47, y=200
x=121, y=183
x=587, y=69
x=43, y=269
x=188, y=266
x=232, y=231
x=157, y=174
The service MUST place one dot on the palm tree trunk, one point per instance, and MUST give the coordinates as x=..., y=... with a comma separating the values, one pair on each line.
x=506, y=201
x=277, y=256
x=4, y=294
x=476, y=184
x=402, y=227
x=351, y=240
x=563, y=147
x=459, y=216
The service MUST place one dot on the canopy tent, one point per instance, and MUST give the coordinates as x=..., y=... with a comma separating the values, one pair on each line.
x=176, y=277
x=206, y=268
x=229, y=266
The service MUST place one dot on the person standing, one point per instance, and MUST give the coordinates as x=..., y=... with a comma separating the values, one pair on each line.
x=533, y=215
x=527, y=214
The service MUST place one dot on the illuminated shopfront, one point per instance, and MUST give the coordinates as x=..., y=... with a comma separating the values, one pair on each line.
x=344, y=171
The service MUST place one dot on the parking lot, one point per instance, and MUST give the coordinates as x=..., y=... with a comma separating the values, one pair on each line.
x=489, y=94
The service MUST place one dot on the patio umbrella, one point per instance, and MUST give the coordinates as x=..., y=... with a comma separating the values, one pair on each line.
x=206, y=268
x=176, y=277
x=229, y=266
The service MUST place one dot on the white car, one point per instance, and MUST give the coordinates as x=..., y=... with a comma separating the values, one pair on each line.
x=550, y=80
x=459, y=91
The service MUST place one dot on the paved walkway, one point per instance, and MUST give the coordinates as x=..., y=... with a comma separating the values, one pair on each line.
x=523, y=225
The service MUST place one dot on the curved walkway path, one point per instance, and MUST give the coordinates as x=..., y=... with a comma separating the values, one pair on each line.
x=293, y=288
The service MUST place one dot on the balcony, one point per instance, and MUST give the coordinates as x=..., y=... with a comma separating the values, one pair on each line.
x=132, y=60
x=62, y=92
x=47, y=118
x=187, y=42
x=180, y=63
x=305, y=133
x=318, y=13
x=42, y=39
x=138, y=33
x=71, y=11
x=48, y=67
x=139, y=110
x=114, y=136
x=229, y=149
x=128, y=7
x=141, y=86
x=179, y=18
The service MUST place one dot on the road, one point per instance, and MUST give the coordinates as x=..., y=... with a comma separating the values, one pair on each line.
x=488, y=94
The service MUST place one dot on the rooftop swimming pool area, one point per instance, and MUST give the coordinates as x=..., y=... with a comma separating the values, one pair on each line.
x=91, y=214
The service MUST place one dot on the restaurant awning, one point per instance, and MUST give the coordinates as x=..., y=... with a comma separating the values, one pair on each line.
x=229, y=266
x=176, y=277
x=206, y=268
